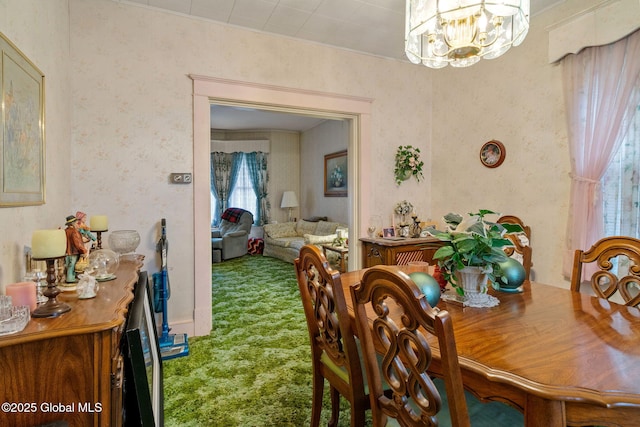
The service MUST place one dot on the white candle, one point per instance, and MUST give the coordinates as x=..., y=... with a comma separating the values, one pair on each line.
x=99, y=223
x=48, y=243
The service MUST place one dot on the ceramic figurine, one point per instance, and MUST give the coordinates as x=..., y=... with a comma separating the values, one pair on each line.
x=84, y=229
x=75, y=247
x=87, y=286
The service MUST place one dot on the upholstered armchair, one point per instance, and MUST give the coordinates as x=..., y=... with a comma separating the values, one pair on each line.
x=231, y=240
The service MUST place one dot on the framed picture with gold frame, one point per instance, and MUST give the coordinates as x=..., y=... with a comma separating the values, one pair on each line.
x=22, y=158
x=492, y=153
x=335, y=174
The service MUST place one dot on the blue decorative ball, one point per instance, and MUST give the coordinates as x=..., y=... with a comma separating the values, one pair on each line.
x=514, y=273
x=428, y=285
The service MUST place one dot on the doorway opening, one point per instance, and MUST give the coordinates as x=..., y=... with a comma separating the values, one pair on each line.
x=207, y=91
x=296, y=145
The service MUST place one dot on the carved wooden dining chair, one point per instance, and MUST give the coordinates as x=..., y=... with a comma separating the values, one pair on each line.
x=414, y=399
x=617, y=263
x=521, y=249
x=334, y=351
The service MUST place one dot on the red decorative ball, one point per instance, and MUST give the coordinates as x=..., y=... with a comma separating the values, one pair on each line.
x=437, y=274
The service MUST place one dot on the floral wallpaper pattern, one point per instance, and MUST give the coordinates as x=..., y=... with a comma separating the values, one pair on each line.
x=41, y=31
x=119, y=108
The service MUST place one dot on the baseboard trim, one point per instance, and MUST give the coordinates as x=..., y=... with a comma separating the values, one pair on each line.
x=182, y=327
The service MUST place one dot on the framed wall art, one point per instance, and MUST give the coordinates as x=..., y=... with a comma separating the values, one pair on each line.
x=22, y=151
x=492, y=154
x=335, y=174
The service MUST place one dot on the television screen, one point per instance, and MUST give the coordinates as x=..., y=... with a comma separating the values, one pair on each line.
x=143, y=394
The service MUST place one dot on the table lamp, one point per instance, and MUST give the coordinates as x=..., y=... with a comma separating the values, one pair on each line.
x=290, y=201
x=49, y=245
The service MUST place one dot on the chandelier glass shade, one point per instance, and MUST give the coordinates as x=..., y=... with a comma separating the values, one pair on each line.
x=461, y=32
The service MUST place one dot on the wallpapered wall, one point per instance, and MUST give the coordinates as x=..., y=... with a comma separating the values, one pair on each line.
x=516, y=99
x=41, y=31
x=329, y=137
x=132, y=111
x=119, y=120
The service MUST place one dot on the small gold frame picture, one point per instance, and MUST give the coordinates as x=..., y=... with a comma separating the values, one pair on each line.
x=492, y=153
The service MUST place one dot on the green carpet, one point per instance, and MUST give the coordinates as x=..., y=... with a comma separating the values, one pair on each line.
x=254, y=369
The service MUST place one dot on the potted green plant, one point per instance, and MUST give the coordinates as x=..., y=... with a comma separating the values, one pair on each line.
x=473, y=242
x=408, y=164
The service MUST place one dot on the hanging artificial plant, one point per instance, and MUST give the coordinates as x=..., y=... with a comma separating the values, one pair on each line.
x=408, y=164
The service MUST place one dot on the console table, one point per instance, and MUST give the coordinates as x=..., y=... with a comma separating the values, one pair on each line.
x=70, y=367
x=398, y=251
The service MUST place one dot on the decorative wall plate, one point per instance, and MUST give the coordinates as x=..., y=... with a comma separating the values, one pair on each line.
x=492, y=153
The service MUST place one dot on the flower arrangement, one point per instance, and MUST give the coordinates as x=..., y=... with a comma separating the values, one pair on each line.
x=337, y=176
x=403, y=208
x=408, y=164
x=473, y=241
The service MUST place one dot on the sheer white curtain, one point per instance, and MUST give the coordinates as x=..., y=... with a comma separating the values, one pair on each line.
x=600, y=98
x=243, y=194
x=621, y=186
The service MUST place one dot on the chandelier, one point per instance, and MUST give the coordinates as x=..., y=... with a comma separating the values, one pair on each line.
x=460, y=32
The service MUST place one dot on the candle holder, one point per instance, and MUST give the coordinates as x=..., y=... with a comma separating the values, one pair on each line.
x=60, y=271
x=52, y=307
x=415, y=229
x=99, y=238
x=99, y=224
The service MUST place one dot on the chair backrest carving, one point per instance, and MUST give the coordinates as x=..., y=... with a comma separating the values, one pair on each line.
x=521, y=249
x=616, y=260
x=415, y=401
x=330, y=330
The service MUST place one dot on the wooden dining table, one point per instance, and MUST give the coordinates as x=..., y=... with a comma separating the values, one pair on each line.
x=560, y=357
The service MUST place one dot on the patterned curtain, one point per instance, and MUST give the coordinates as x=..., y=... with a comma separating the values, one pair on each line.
x=224, y=172
x=599, y=94
x=215, y=196
x=257, y=164
x=621, y=186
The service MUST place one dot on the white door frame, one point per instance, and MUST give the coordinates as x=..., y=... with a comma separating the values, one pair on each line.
x=208, y=90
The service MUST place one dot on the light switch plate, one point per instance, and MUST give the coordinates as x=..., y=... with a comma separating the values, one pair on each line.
x=180, y=178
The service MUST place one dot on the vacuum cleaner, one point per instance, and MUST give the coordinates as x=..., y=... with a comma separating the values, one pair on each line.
x=171, y=345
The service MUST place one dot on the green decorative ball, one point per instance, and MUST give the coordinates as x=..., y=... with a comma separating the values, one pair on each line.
x=428, y=285
x=514, y=273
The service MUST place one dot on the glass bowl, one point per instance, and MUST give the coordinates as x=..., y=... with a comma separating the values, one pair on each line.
x=102, y=264
x=124, y=241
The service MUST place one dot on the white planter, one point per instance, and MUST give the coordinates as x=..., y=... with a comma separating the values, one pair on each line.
x=472, y=280
x=474, y=284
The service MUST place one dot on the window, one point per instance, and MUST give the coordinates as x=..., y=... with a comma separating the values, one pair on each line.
x=621, y=186
x=242, y=194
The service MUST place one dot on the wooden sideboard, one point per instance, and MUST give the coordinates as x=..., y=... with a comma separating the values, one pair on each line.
x=70, y=367
x=398, y=252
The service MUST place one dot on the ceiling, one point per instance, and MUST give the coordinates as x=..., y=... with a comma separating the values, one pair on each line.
x=241, y=118
x=374, y=27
